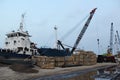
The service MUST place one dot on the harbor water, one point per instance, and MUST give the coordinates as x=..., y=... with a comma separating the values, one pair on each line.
x=105, y=73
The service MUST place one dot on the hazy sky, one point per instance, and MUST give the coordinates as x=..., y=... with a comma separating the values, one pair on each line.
x=42, y=15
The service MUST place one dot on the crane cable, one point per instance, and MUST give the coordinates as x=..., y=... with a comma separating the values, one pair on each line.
x=68, y=46
x=74, y=28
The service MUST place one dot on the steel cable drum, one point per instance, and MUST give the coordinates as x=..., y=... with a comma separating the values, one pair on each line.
x=73, y=29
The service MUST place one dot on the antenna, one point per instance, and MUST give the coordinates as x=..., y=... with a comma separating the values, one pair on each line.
x=21, y=23
x=98, y=45
x=56, y=39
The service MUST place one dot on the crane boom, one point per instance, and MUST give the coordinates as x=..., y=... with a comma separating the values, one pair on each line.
x=83, y=30
x=59, y=43
x=118, y=37
x=116, y=43
x=111, y=38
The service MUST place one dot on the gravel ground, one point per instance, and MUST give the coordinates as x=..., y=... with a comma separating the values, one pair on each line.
x=8, y=74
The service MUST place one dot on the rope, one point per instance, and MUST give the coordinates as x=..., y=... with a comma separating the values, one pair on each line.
x=74, y=28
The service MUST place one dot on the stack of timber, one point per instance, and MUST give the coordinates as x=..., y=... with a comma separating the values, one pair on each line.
x=59, y=61
x=78, y=57
x=85, y=58
x=64, y=61
x=69, y=60
x=45, y=62
x=89, y=58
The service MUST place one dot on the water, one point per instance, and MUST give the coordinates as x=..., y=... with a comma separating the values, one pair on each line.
x=86, y=76
x=109, y=73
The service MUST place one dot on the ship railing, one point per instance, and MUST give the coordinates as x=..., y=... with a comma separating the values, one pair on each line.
x=6, y=50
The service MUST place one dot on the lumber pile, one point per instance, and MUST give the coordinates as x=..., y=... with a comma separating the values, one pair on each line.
x=45, y=62
x=69, y=60
x=85, y=58
x=59, y=61
x=89, y=58
x=80, y=58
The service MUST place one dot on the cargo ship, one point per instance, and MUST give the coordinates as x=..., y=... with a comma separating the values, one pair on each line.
x=53, y=52
x=17, y=46
x=66, y=51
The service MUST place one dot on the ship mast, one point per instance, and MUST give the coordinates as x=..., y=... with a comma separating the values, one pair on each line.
x=56, y=45
x=21, y=23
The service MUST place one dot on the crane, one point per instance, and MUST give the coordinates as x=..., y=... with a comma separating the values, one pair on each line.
x=66, y=51
x=83, y=30
x=111, y=39
x=60, y=44
x=116, y=43
x=118, y=37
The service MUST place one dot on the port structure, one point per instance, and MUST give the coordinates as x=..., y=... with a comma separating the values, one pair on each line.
x=83, y=30
x=81, y=33
x=111, y=39
x=117, y=41
x=116, y=44
x=118, y=37
x=98, y=42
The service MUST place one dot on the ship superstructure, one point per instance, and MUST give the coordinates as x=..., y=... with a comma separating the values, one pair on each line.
x=19, y=41
x=18, y=45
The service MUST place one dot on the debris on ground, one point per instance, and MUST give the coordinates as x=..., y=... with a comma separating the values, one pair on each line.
x=3, y=65
x=23, y=68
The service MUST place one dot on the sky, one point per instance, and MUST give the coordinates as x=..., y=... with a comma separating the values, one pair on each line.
x=41, y=16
